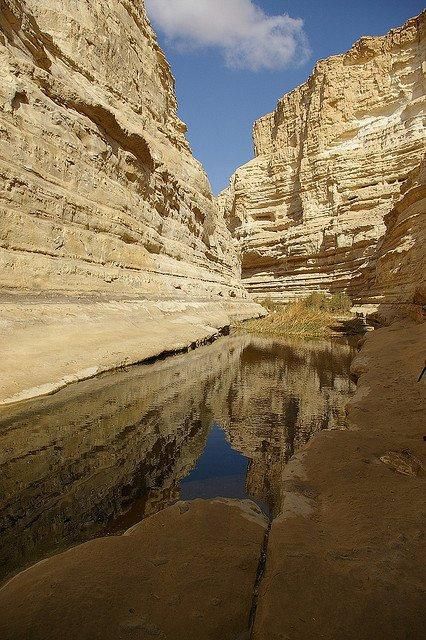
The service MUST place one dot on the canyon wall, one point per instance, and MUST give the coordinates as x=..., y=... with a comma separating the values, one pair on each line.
x=100, y=192
x=112, y=247
x=309, y=211
x=396, y=277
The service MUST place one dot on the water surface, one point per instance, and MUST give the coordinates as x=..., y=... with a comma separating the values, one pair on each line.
x=101, y=455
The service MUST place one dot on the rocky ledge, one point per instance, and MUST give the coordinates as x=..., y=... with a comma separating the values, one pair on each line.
x=195, y=584
x=48, y=343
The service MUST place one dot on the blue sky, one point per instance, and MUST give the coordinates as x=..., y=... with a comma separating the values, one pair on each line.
x=221, y=91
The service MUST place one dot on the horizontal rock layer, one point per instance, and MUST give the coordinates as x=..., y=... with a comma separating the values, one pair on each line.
x=309, y=210
x=396, y=276
x=100, y=189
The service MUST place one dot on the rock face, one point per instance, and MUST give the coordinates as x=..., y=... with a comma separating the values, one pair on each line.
x=309, y=210
x=67, y=340
x=101, y=197
x=100, y=190
x=396, y=278
x=196, y=584
x=345, y=558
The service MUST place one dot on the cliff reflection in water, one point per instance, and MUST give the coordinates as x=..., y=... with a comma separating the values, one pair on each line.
x=99, y=456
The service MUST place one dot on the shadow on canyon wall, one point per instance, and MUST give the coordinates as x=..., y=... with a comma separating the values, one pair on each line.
x=394, y=277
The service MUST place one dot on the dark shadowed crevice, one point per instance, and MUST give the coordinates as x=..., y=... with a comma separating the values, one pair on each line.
x=259, y=577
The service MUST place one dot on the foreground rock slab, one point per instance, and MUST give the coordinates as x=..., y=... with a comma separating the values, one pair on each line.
x=186, y=573
x=346, y=556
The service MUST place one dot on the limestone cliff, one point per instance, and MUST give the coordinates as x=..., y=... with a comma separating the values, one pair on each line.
x=396, y=278
x=309, y=210
x=100, y=192
x=101, y=199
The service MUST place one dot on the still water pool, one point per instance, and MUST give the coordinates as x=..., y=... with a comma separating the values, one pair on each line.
x=223, y=420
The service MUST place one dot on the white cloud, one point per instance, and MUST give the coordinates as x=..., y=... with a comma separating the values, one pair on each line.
x=247, y=36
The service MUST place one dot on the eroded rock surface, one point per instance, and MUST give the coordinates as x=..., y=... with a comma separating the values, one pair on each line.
x=65, y=340
x=101, y=196
x=309, y=210
x=346, y=555
x=100, y=189
x=396, y=277
x=187, y=573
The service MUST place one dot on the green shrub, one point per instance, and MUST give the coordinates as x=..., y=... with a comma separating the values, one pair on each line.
x=308, y=318
x=316, y=300
x=293, y=319
x=338, y=302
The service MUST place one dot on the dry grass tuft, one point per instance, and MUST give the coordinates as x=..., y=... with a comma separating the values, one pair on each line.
x=309, y=318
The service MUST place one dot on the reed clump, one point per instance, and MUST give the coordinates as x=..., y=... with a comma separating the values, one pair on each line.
x=311, y=317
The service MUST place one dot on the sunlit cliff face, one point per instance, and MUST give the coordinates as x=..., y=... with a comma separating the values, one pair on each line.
x=102, y=193
x=309, y=211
